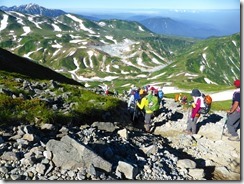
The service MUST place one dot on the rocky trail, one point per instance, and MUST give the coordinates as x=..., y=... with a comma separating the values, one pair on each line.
x=121, y=151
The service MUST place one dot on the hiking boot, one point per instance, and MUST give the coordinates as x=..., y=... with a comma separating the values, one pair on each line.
x=234, y=138
x=147, y=128
x=227, y=134
x=148, y=131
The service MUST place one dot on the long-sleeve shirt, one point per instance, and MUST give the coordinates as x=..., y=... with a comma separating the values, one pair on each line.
x=143, y=104
x=196, y=108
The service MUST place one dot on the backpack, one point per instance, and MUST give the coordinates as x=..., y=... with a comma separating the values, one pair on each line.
x=184, y=100
x=160, y=94
x=137, y=96
x=153, y=104
x=207, y=103
x=177, y=97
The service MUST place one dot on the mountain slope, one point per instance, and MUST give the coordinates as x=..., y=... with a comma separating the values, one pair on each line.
x=124, y=51
x=72, y=44
x=13, y=63
x=212, y=61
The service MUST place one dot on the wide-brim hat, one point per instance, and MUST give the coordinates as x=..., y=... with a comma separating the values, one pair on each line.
x=195, y=92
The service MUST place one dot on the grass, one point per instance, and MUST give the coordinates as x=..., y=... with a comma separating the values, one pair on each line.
x=215, y=106
x=88, y=106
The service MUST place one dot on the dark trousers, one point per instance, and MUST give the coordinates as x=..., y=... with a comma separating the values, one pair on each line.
x=192, y=125
x=233, y=123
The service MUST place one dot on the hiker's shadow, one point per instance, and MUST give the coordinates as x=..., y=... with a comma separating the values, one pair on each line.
x=168, y=116
x=212, y=118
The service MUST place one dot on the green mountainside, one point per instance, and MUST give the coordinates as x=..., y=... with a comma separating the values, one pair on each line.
x=123, y=51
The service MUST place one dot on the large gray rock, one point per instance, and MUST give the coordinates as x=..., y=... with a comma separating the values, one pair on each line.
x=186, y=163
x=9, y=155
x=127, y=169
x=197, y=174
x=69, y=154
x=107, y=126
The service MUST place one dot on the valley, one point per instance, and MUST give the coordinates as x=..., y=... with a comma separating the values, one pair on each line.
x=119, y=51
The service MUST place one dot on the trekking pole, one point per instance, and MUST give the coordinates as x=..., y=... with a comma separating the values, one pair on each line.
x=224, y=127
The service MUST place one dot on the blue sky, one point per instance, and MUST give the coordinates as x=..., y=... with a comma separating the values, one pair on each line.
x=128, y=4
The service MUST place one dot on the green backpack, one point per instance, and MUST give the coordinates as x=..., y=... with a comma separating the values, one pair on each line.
x=153, y=103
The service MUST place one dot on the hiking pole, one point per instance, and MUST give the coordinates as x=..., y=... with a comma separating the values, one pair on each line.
x=224, y=126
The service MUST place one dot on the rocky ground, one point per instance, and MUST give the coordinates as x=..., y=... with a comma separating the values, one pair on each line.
x=114, y=151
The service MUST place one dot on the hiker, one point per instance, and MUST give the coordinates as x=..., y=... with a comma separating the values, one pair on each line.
x=184, y=100
x=131, y=94
x=143, y=92
x=160, y=96
x=234, y=114
x=193, y=116
x=105, y=88
x=132, y=87
x=178, y=97
x=149, y=103
x=134, y=96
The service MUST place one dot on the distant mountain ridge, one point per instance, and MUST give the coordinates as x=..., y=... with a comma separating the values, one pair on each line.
x=106, y=50
x=34, y=9
x=166, y=24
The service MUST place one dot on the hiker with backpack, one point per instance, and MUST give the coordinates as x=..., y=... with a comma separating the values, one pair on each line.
x=133, y=95
x=160, y=96
x=234, y=114
x=105, y=88
x=198, y=102
x=150, y=104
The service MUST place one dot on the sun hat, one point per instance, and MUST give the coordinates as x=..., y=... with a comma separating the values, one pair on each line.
x=195, y=92
x=237, y=83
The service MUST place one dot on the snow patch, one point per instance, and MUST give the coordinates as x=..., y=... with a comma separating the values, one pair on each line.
x=32, y=20
x=27, y=30
x=111, y=38
x=191, y=75
x=102, y=24
x=209, y=81
x=81, y=23
x=205, y=48
x=202, y=67
x=90, y=53
x=204, y=56
x=58, y=46
x=140, y=28
x=154, y=60
x=234, y=42
x=4, y=22
x=56, y=28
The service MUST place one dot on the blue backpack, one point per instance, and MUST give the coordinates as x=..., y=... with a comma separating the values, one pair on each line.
x=137, y=96
x=160, y=94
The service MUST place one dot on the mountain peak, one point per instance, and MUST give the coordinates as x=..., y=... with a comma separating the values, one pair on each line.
x=34, y=9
